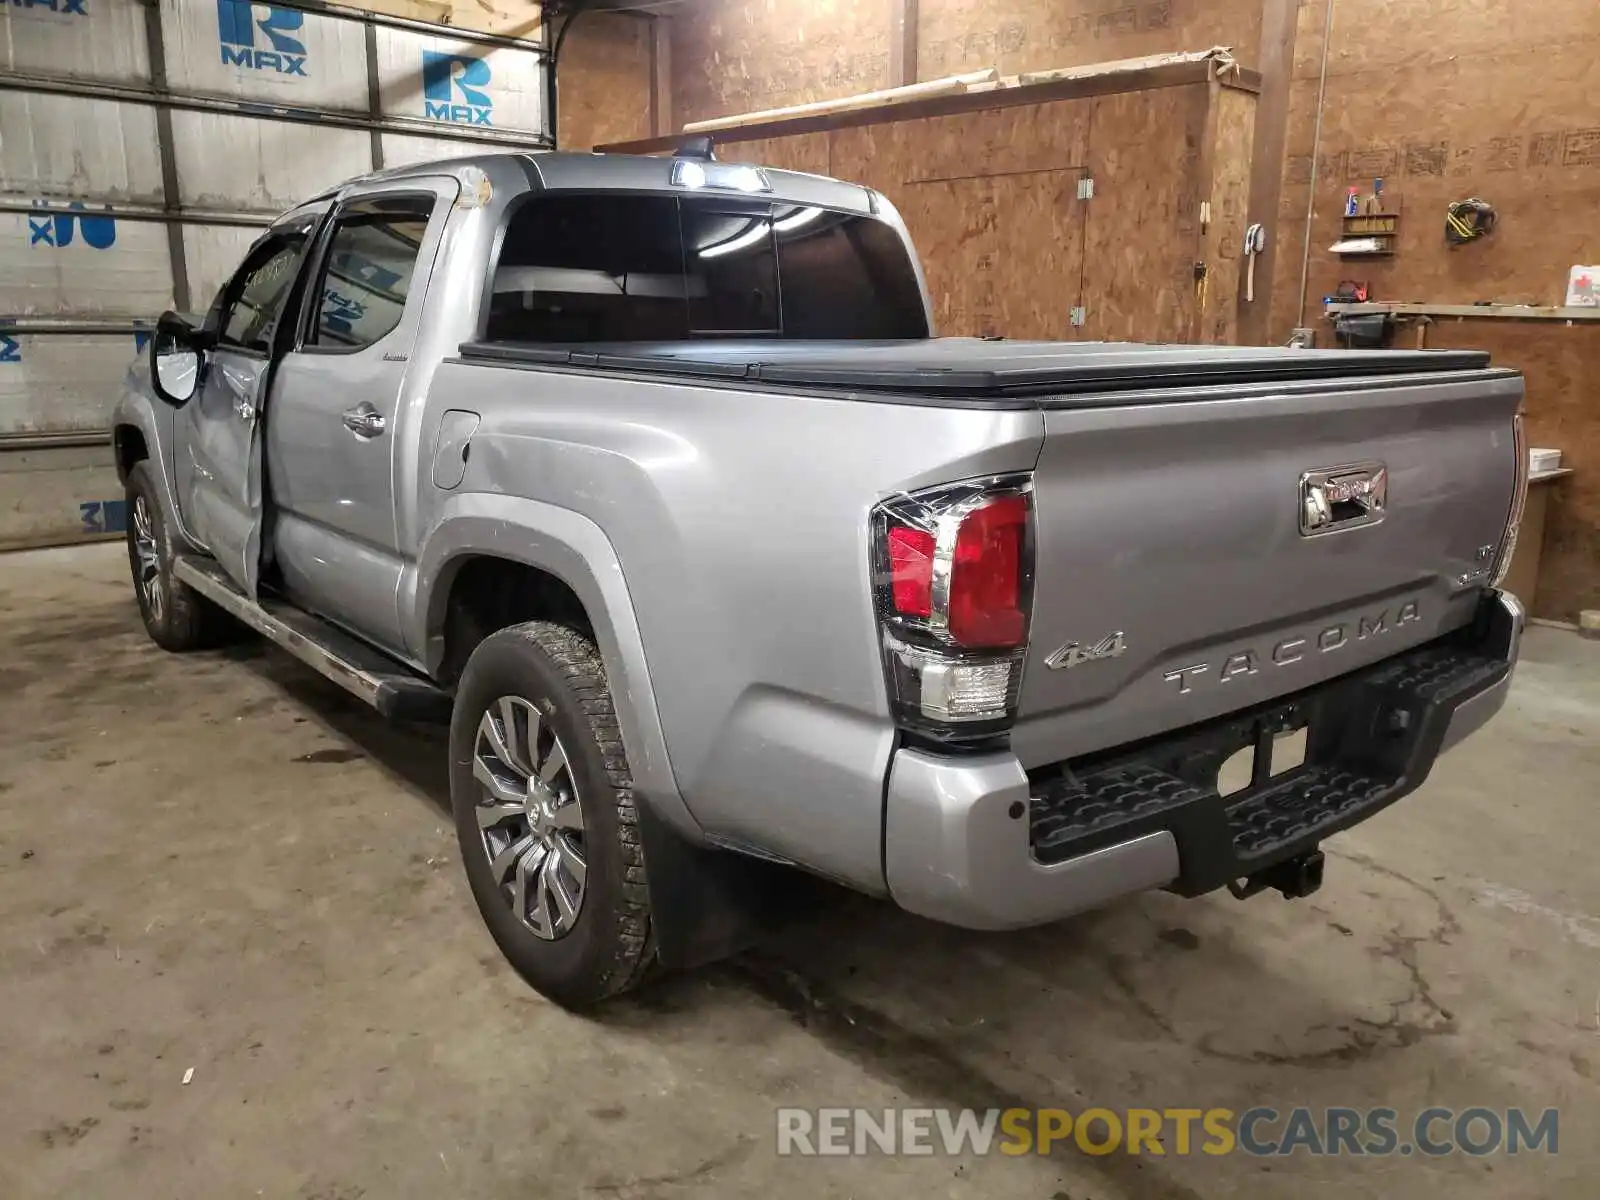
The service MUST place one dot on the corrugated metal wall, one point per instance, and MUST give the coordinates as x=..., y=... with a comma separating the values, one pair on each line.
x=143, y=145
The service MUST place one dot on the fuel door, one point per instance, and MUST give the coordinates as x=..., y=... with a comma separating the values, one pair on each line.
x=453, y=448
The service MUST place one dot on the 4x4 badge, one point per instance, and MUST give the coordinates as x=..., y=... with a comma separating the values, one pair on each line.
x=1075, y=654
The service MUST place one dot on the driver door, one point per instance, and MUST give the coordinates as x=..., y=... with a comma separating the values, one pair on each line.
x=219, y=454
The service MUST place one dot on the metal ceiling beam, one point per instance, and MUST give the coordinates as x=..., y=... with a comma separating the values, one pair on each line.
x=76, y=323
x=295, y=114
x=347, y=12
x=90, y=207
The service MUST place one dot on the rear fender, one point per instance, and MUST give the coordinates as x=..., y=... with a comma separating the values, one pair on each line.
x=575, y=550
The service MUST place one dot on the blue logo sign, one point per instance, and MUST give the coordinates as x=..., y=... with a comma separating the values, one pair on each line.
x=104, y=516
x=60, y=230
x=340, y=312
x=452, y=88
x=10, y=350
x=237, y=25
x=67, y=8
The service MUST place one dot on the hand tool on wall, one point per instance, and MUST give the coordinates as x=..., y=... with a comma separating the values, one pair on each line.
x=1255, y=241
x=1467, y=220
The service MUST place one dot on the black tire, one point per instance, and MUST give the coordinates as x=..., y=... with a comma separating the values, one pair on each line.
x=609, y=946
x=176, y=617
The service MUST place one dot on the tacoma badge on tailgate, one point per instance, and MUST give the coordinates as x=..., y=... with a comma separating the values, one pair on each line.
x=1290, y=650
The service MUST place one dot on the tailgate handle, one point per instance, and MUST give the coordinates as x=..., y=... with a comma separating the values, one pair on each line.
x=1333, y=499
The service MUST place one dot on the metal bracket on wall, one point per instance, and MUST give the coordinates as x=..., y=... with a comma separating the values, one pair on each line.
x=1080, y=315
x=1086, y=188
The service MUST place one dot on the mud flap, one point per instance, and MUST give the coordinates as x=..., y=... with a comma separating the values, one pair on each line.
x=709, y=904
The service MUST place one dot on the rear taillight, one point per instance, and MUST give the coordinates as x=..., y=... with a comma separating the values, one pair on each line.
x=986, y=575
x=953, y=576
x=911, y=570
x=1519, y=500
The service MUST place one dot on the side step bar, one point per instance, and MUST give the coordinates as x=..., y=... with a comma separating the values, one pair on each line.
x=360, y=670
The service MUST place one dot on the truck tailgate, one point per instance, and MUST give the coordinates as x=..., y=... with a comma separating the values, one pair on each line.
x=1179, y=575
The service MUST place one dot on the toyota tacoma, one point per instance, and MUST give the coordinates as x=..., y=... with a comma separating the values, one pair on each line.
x=650, y=477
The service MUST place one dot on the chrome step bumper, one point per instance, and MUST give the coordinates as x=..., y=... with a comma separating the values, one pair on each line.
x=977, y=842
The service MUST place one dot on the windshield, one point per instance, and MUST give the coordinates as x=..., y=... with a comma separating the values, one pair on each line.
x=619, y=268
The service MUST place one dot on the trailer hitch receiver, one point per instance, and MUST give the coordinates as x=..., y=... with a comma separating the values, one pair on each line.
x=1294, y=877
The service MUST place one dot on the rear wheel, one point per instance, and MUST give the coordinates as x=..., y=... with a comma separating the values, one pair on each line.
x=545, y=816
x=175, y=616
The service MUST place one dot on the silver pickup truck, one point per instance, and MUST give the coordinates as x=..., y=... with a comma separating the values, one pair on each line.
x=648, y=475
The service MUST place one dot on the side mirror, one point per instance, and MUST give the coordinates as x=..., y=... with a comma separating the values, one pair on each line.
x=175, y=350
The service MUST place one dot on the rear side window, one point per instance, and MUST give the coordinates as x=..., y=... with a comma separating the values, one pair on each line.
x=367, y=271
x=615, y=268
x=591, y=269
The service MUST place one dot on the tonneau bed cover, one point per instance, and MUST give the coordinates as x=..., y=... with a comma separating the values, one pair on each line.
x=975, y=369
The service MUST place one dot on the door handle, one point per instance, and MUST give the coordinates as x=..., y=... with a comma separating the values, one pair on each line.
x=364, y=421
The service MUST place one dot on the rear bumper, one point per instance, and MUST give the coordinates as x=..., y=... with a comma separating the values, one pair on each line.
x=976, y=841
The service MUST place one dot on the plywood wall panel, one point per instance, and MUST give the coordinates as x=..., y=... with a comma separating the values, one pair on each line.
x=1004, y=141
x=731, y=56
x=1035, y=35
x=1144, y=222
x=805, y=152
x=738, y=57
x=1378, y=35
x=1039, y=255
x=954, y=225
x=880, y=156
x=991, y=200
x=1233, y=133
x=1540, y=169
x=1485, y=103
x=605, y=81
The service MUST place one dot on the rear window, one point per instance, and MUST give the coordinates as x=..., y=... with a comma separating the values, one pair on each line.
x=609, y=268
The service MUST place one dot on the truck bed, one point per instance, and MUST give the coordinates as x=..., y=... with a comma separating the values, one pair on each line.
x=974, y=371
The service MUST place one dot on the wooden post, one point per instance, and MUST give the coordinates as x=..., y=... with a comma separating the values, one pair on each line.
x=902, y=42
x=1266, y=162
x=661, y=77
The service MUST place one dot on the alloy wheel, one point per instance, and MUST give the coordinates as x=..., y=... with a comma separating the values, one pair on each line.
x=147, y=550
x=530, y=817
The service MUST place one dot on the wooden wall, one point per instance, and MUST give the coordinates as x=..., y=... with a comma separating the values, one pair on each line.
x=1036, y=35
x=1491, y=98
x=732, y=56
x=604, y=78
x=991, y=198
x=1498, y=99
x=1228, y=166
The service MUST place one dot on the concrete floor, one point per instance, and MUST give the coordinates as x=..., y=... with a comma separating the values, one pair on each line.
x=221, y=863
